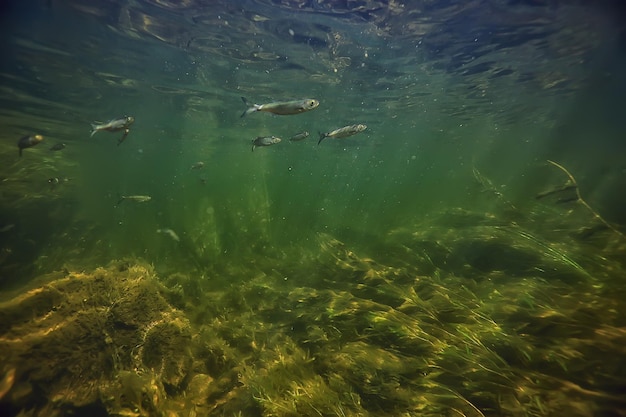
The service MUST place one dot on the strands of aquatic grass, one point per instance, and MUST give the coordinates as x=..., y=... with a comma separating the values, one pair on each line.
x=580, y=199
x=487, y=186
x=361, y=338
x=284, y=383
x=399, y=329
x=559, y=256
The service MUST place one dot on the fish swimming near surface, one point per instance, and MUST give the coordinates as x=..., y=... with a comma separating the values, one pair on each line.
x=282, y=108
x=343, y=132
x=57, y=146
x=198, y=165
x=170, y=233
x=114, y=125
x=300, y=136
x=136, y=198
x=265, y=141
x=28, y=141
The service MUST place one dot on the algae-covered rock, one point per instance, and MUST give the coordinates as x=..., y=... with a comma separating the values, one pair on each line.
x=77, y=339
x=166, y=350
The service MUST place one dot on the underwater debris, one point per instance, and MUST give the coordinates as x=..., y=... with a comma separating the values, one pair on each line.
x=573, y=185
x=558, y=190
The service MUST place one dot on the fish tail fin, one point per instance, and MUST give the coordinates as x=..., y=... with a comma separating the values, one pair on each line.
x=94, y=129
x=251, y=108
x=322, y=136
x=122, y=198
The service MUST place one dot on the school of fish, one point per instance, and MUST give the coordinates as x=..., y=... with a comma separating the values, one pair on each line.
x=284, y=108
x=123, y=124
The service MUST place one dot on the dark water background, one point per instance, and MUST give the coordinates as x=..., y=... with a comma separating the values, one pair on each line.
x=465, y=103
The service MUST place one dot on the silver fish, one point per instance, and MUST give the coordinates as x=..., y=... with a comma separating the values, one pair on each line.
x=198, y=165
x=265, y=141
x=343, y=132
x=136, y=198
x=282, y=107
x=170, y=233
x=115, y=125
x=300, y=136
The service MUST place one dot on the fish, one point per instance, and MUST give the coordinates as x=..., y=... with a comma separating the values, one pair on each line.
x=136, y=198
x=7, y=381
x=265, y=141
x=343, y=132
x=115, y=125
x=57, y=146
x=300, y=136
x=170, y=233
x=282, y=108
x=7, y=227
x=54, y=181
x=198, y=165
x=28, y=141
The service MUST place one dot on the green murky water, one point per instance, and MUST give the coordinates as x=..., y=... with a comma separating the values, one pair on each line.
x=463, y=256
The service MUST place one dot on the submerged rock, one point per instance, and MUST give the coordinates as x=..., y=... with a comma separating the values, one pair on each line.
x=78, y=339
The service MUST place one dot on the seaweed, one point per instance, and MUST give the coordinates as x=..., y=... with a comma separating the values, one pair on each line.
x=533, y=332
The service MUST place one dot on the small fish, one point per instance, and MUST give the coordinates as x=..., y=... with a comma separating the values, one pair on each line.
x=300, y=136
x=282, y=107
x=343, y=132
x=265, y=141
x=137, y=198
x=28, y=141
x=7, y=381
x=6, y=227
x=170, y=233
x=198, y=165
x=54, y=181
x=115, y=125
x=57, y=147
